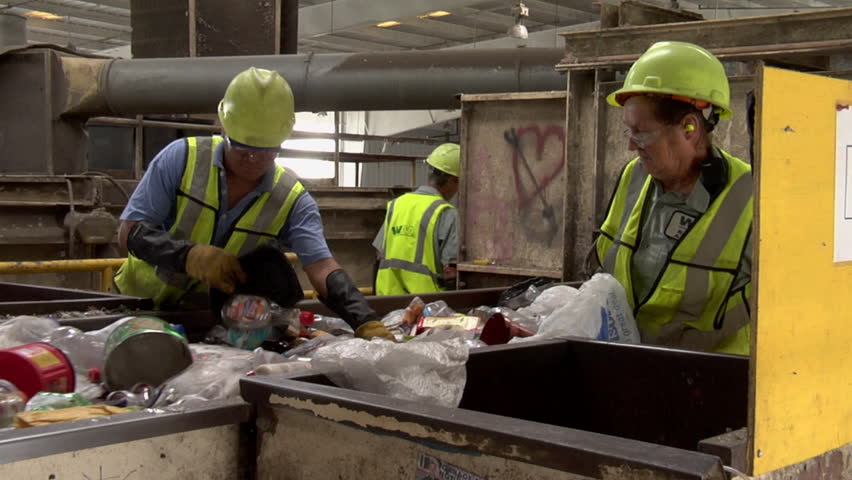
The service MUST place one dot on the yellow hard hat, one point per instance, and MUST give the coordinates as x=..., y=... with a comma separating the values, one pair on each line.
x=445, y=158
x=682, y=71
x=258, y=109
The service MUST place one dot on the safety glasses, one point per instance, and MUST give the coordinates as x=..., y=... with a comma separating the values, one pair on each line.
x=642, y=139
x=247, y=152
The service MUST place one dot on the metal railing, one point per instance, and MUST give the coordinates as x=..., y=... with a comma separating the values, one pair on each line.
x=106, y=267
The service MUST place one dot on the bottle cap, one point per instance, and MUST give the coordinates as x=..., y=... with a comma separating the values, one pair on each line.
x=306, y=318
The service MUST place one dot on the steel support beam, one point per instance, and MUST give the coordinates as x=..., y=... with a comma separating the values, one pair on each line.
x=757, y=33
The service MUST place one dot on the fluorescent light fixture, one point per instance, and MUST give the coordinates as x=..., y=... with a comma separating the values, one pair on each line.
x=43, y=15
x=435, y=14
x=389, y=23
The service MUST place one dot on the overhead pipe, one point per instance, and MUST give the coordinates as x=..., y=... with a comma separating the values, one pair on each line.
x=409, y=80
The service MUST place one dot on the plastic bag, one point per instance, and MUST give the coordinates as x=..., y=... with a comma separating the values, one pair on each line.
x=427, y=369
x=25, y=329
x=599, y=310
x=549, y=301
x=85, y=388
x=214, y=374
x=618, y=323
x=310, y=347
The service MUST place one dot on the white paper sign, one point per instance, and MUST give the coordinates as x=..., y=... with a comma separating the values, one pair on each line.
x=843, y=185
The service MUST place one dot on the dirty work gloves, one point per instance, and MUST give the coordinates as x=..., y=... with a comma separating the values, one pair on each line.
x=215, y=267
x=374, y=329
x=345, y=300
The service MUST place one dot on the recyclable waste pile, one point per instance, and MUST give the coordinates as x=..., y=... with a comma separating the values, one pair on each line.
x=51, y=373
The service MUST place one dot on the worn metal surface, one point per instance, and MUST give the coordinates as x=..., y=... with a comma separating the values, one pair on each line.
x=584, y=47
x=174, y=456
x=731, y=447
x=668, y=397
x=27, y=121
x=364, y=451
x=23, y=444
x=511, y=206
x=584, y=179
x=327, y=82
x=18, y=299
x=465, y=431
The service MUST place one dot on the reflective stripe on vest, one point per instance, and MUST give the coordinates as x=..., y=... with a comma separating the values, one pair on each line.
x=197, y=207
x=692, y=305
x=410, y=263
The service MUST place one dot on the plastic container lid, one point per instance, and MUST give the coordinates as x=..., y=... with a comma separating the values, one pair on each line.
x=26, y=374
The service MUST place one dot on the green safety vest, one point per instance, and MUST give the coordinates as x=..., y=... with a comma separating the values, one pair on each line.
x=195, y=220
x=410, y=263
x=692, y=304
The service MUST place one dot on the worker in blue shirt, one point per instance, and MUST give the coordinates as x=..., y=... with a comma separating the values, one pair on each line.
x=204, y=201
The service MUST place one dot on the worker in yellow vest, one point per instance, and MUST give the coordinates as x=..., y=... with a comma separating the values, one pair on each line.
x=418, y=243
x=677, y=234
x=204, y=201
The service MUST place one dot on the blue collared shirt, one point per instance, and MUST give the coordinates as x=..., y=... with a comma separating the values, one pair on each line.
x=155, y=200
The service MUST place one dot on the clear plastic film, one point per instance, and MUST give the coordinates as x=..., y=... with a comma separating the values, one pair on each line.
x=427, y=369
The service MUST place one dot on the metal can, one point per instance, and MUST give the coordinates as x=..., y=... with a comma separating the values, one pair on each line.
x=144, y=350
x=12, y=402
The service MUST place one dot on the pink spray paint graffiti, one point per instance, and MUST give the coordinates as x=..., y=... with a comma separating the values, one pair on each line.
x=535, y=167
x=485, y=208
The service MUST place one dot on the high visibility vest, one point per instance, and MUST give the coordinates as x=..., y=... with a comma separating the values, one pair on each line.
x=195, y=220
x=410, y=263
x=692, y=304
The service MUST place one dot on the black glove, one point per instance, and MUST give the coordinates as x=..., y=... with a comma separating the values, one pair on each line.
x=149, y=242
x=346, y=301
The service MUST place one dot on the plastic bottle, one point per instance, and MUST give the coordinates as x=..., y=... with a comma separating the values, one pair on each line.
x=83, y=350
x=12, y=402
x=55, y=401
x=251, y=312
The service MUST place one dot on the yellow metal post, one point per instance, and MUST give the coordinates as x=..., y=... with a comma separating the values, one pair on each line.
x=801, y=336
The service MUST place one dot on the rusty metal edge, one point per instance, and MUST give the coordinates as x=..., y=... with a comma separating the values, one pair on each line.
x=35, y=442
x=576, y=451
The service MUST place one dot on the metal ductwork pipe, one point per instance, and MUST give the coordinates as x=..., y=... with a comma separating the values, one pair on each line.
x=327, y=82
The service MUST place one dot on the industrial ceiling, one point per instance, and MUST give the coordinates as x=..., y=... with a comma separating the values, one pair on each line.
x=375, y=25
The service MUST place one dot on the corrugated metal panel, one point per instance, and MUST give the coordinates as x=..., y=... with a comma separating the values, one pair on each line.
x=392, y=174
x=160, y=28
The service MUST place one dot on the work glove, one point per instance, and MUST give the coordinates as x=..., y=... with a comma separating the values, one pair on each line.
x=346, y=301
x=374, y=329
x=215, y=267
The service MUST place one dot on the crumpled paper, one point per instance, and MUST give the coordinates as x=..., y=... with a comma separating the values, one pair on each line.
x=427, y=369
